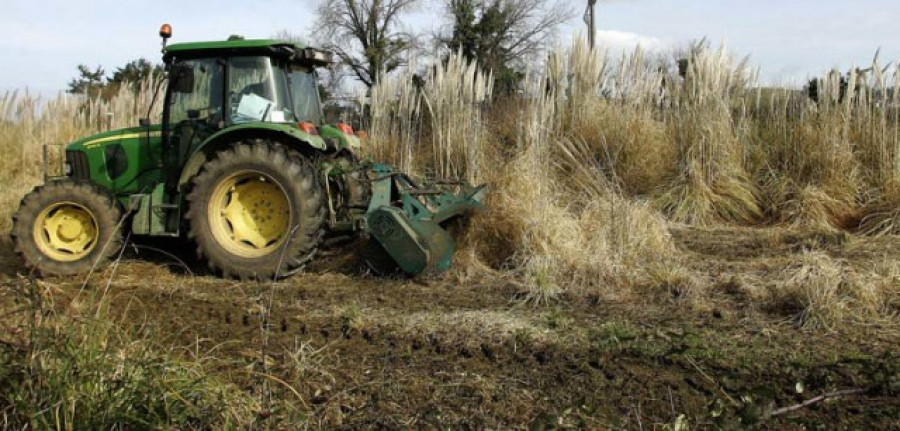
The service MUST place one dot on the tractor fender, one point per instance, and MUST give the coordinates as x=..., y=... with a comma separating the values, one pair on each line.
x=287, y=134
x=346, y=141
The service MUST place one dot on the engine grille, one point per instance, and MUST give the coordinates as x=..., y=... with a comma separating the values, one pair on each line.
x=79, y=162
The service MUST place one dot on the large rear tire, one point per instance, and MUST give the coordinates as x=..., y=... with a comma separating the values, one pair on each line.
x=256, y=211
x=67, y=227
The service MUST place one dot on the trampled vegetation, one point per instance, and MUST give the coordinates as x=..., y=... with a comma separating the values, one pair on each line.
x=597, y=167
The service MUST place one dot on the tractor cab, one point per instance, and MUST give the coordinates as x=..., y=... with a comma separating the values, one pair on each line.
x=214, y=86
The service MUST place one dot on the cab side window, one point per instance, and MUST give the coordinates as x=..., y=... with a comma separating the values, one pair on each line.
x=205, y=96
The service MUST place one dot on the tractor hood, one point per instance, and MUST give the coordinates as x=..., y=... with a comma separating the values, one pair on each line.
x=124, y=160
x=113, y=136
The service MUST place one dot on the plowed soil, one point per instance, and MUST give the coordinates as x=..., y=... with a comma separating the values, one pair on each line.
x=348, y=349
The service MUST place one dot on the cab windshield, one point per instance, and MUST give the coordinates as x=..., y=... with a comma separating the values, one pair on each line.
x=258, y=91
x=307, y=106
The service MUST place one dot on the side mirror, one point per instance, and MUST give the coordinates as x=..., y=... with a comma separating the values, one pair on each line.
x=182, y=79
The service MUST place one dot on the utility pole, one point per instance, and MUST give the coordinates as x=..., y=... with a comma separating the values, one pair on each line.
x=589, y=19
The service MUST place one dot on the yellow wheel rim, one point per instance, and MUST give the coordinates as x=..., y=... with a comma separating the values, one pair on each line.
x=249, y=214
x=66, y=231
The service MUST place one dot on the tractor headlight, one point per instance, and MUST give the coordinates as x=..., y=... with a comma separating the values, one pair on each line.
x=67, y=169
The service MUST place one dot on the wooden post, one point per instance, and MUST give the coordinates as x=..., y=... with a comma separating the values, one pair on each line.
x=591, y=22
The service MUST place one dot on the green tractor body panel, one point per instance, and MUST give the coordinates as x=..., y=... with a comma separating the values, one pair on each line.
x=124, y=161
x=149, y=169
x=287, y=129
x=290, y=134
x=345, y=141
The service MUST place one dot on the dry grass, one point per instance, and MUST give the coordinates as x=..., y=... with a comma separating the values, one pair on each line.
x=553, y=223
x=882, y=215
x=711, y=184
x=836, y=156
x=445, y=107
x=825, y=292
x=580, y=159
x=810, y=173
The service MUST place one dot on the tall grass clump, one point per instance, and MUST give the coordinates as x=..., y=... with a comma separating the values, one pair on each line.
x=444, y=106
x=711, y=184
x=810, y=173
x=455, y=96
x=554, y=223
x=395, y=121
x=571, y=228
x=613, y=107
x=827, y=155
x=877, y=132
x=77, y=369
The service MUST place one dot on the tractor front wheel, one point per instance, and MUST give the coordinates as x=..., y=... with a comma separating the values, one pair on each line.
x=66, y=228
x=256, y=211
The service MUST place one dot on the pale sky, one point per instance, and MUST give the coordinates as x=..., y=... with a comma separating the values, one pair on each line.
x=787, y=39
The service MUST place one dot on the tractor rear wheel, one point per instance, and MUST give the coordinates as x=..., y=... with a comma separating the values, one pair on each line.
x=67, y=227
x=256, y=211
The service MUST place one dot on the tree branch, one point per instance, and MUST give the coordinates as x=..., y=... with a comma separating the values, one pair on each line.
x=820, y=398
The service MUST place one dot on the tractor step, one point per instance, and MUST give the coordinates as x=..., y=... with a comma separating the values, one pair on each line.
x=154, y=217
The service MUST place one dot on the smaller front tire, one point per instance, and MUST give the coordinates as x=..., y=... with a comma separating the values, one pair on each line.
x=66, y=228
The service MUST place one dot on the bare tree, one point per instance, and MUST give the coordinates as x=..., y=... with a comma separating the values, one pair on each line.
x=364, y=34
x=502, y=35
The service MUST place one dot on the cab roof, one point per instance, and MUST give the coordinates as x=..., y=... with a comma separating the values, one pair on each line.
x=269, y=47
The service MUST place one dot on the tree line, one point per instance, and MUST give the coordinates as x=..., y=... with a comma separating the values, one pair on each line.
x=95, y=82
x=503, y=36
x=368, y=39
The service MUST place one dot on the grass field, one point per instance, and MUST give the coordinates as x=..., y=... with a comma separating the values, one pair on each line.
x=657, y=250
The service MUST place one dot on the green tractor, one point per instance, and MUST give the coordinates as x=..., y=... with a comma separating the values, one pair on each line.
x=242, y=166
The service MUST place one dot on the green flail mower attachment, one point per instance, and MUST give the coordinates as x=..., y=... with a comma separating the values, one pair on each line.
x=408, y=221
